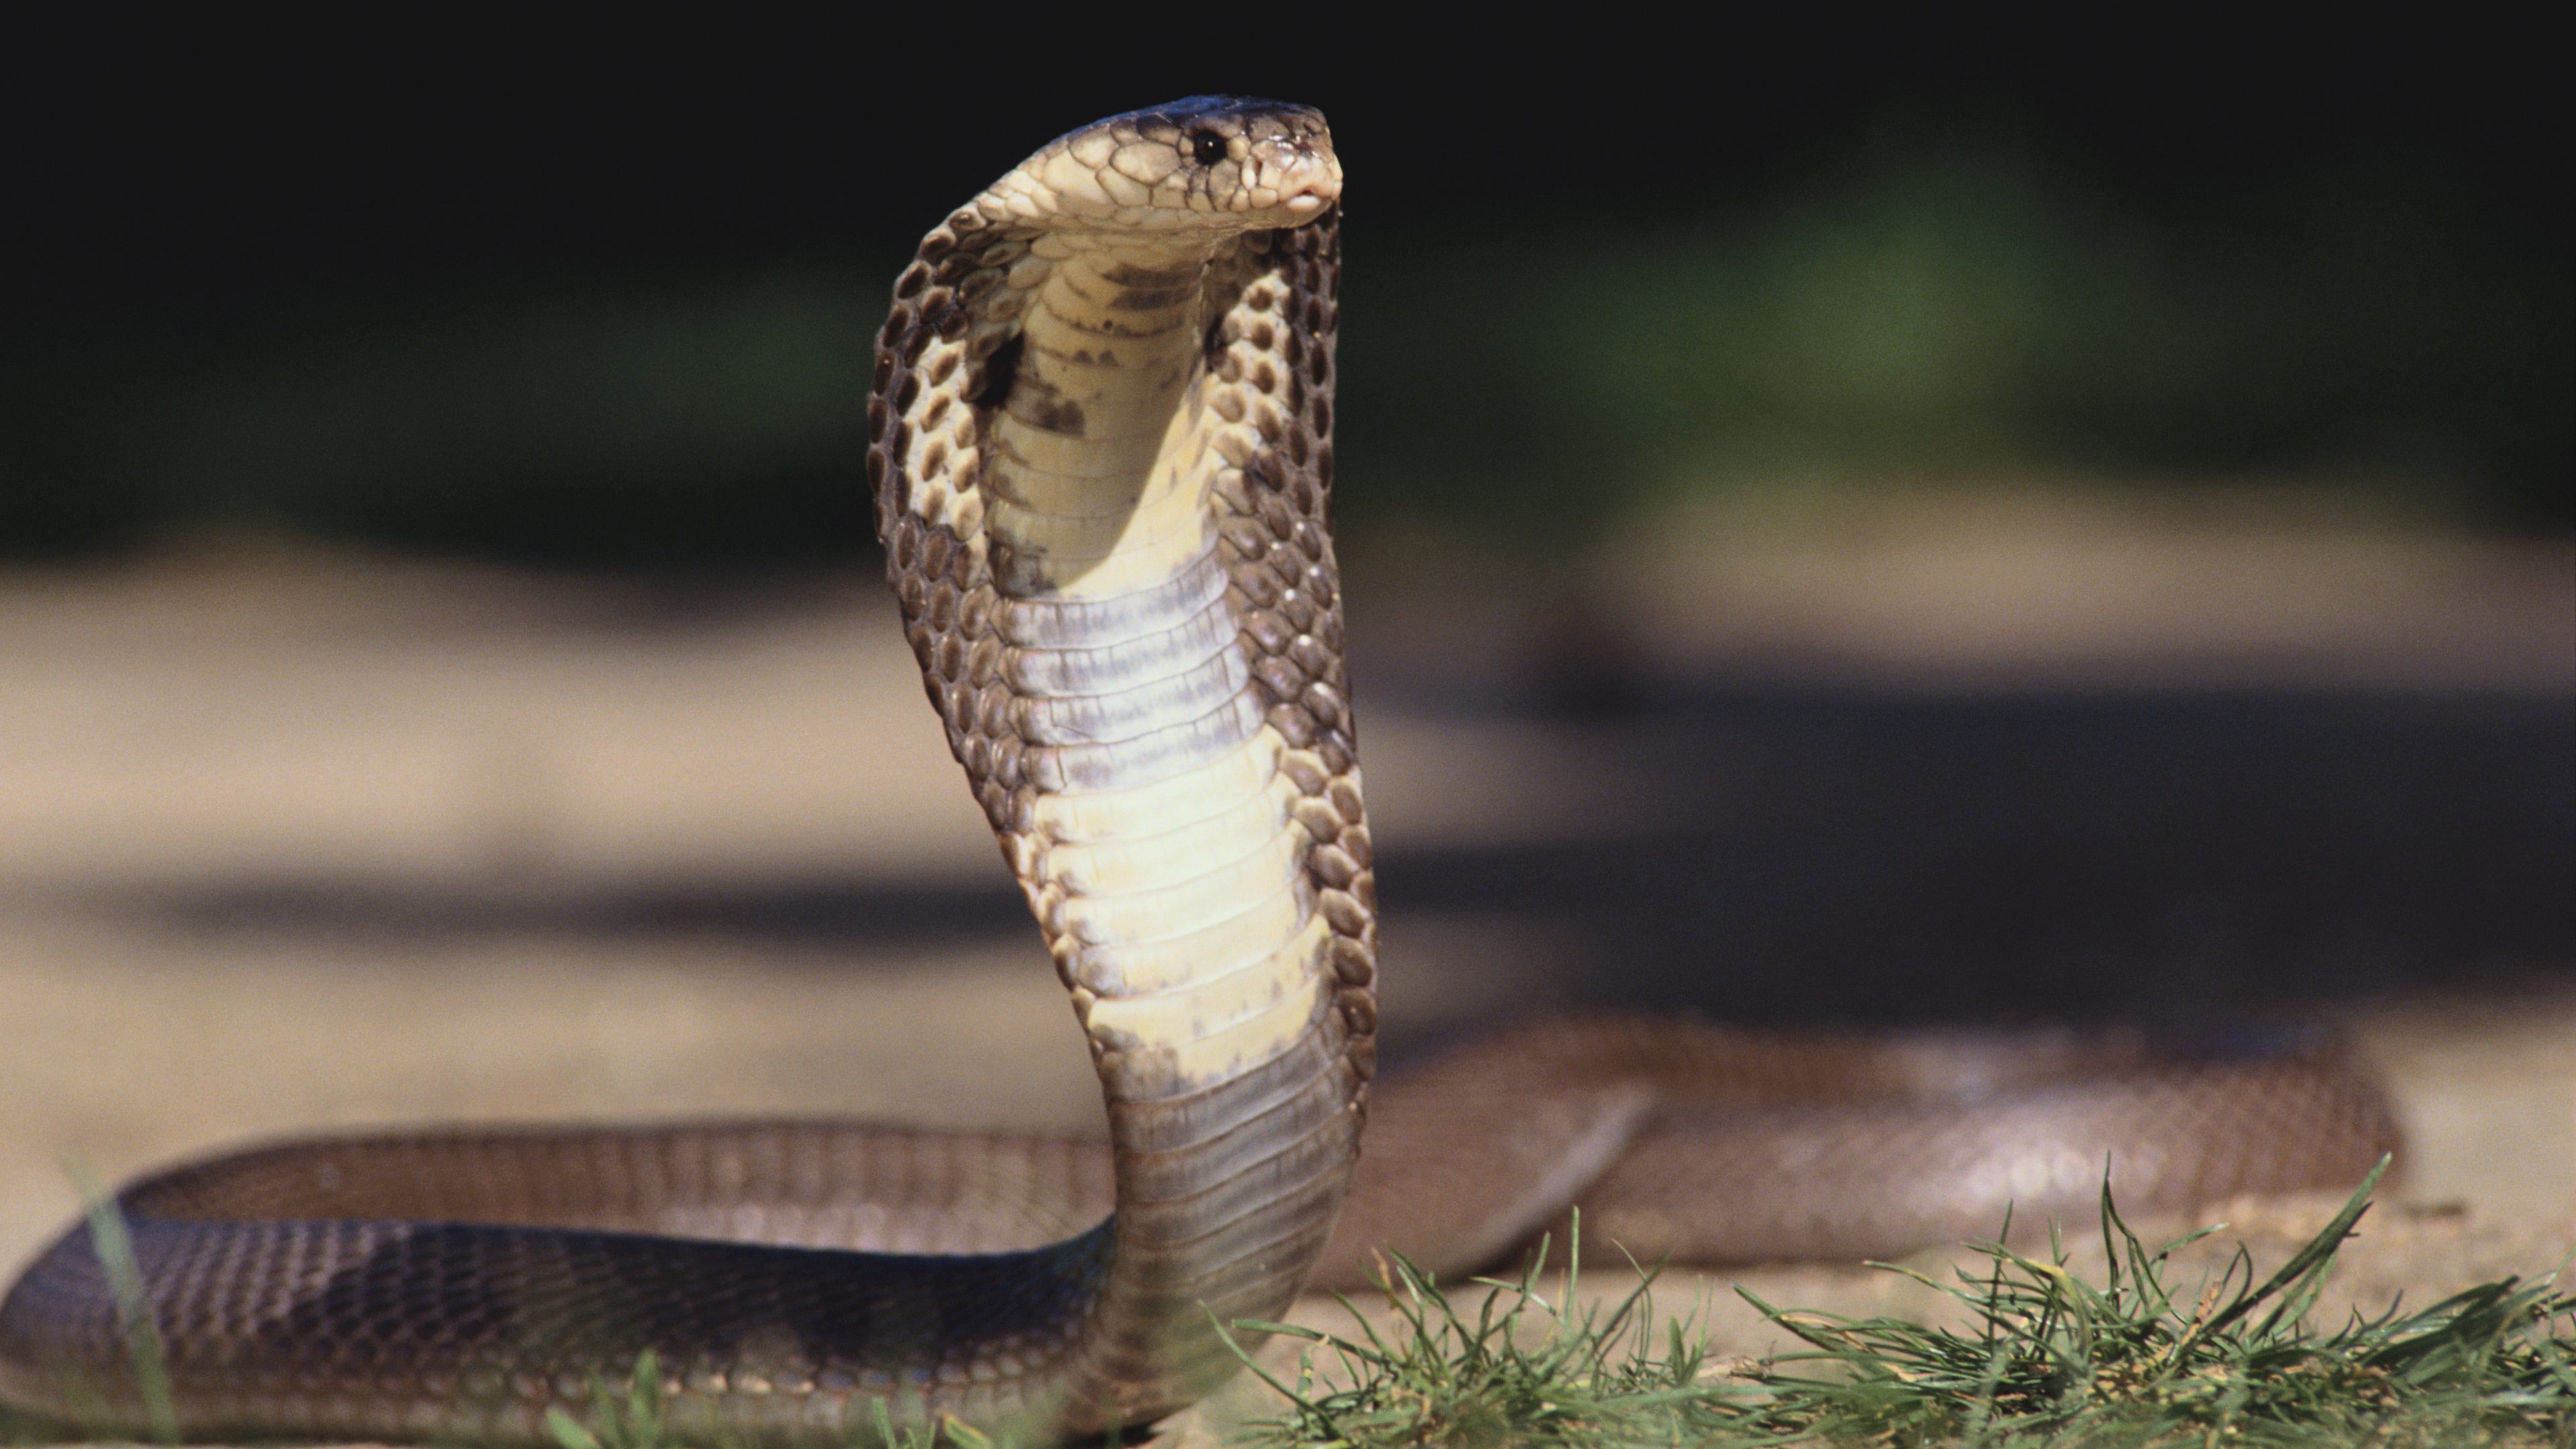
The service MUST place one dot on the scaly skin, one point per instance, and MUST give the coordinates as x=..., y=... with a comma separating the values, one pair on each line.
x=1101, y=440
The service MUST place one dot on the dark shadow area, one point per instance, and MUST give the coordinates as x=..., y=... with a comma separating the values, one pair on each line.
x=1884, y=857
x=1910, y=858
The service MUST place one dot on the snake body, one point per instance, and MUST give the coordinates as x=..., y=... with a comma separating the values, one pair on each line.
x=1101, y=452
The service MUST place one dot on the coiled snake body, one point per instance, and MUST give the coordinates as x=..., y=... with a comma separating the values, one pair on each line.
x=1101, y=449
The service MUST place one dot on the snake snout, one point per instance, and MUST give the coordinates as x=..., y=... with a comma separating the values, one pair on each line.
x=1292, y=161
x=1304, y=174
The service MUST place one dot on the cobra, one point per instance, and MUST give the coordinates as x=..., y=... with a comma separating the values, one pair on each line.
x=1101, y=453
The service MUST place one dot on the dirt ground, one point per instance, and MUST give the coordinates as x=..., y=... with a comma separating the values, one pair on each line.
x=293, y=840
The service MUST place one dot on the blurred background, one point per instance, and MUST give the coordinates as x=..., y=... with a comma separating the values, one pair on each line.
x=1877, y=520
x=605, y=300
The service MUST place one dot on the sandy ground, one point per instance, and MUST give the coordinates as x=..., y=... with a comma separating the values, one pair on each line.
x=295, y=841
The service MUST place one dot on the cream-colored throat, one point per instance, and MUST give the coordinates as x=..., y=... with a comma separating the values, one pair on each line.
x=1095, y=468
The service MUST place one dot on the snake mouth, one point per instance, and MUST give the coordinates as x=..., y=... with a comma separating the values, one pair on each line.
x=1303, y=180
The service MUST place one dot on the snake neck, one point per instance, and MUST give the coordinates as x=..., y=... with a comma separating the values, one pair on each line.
x=1095, y=480
x=1102, y=474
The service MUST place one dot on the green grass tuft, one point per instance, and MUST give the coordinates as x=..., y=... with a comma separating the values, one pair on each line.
x=1522, y=1372
x=2052, y=1360
x=115, y=1249
x=632, y=1420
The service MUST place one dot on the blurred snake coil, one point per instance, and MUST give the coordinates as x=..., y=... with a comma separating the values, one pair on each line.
x=1101, y=451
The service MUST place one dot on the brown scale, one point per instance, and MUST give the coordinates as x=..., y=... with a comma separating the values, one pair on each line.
x=1274, y=536
x=944, y=584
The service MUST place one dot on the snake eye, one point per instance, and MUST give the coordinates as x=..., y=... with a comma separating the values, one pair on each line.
x=1207, y=147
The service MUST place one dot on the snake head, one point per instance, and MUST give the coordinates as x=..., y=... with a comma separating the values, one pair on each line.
x=1218, y=164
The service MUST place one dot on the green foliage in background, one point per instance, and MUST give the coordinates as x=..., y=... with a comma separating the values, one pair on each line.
x=1944, y=316
x=666, y=420
x=1962, y=316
